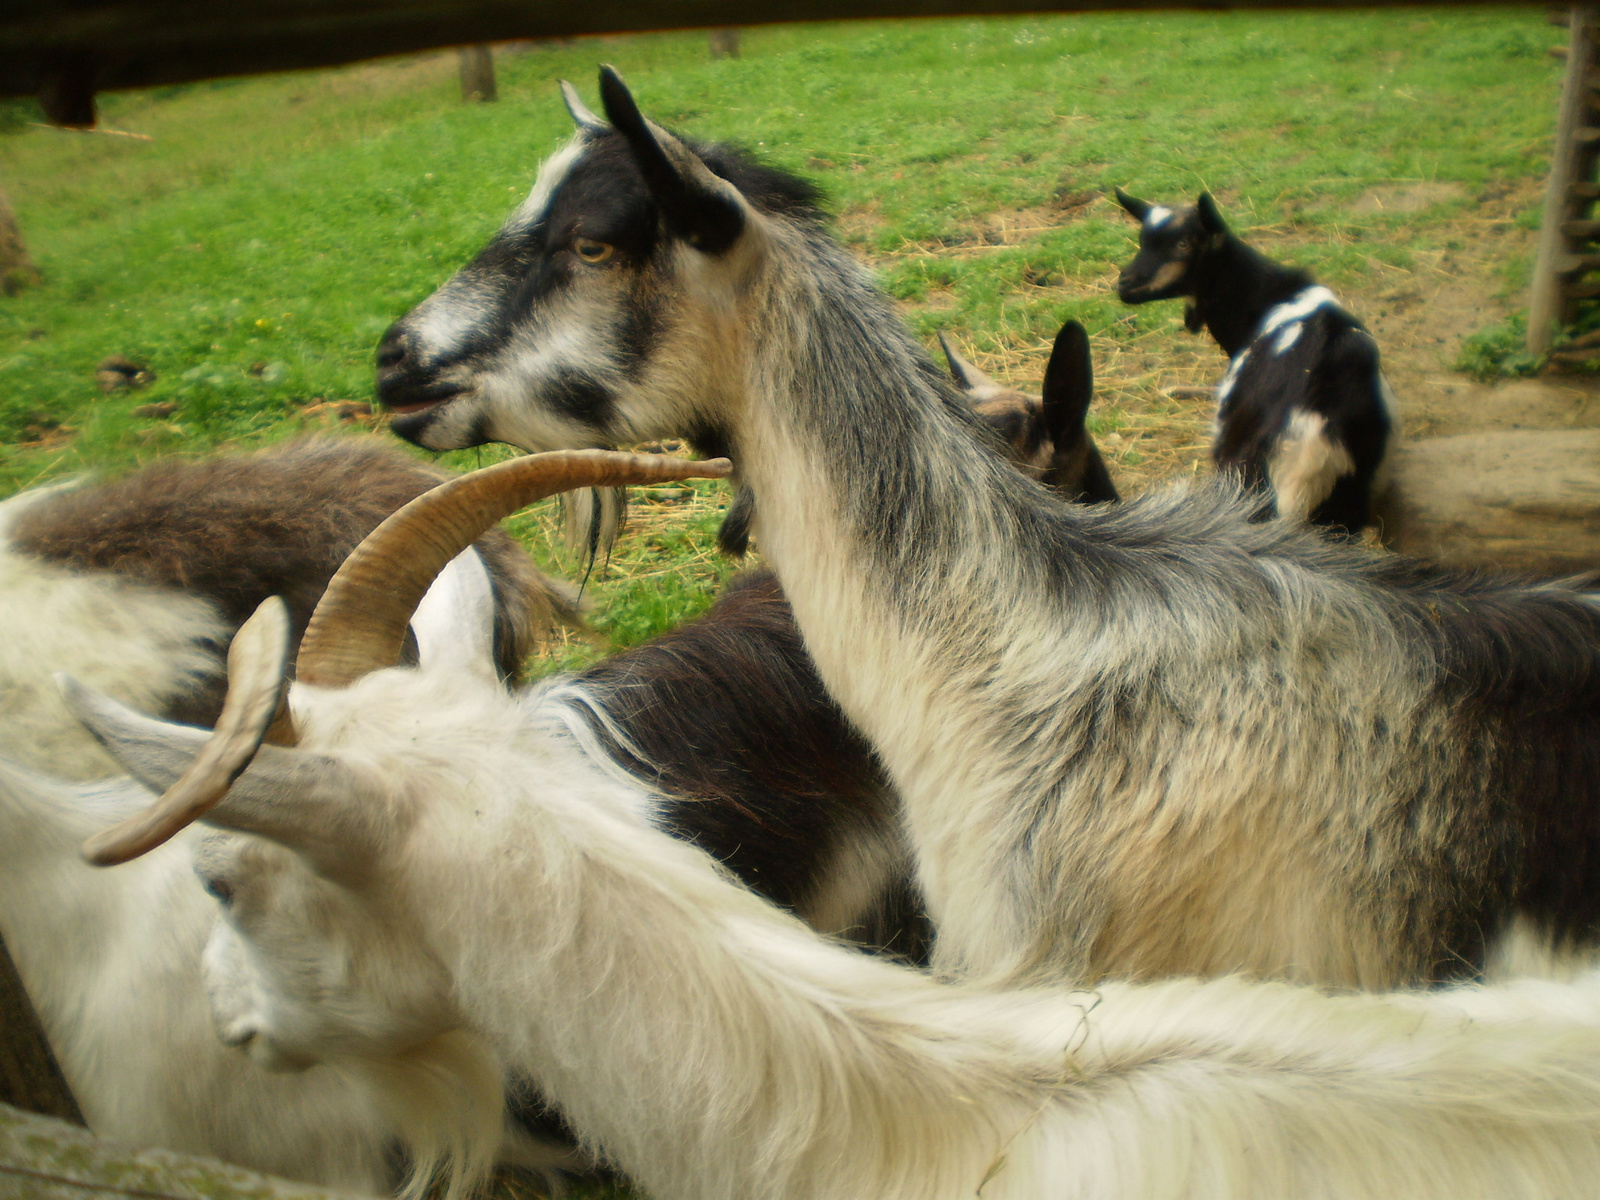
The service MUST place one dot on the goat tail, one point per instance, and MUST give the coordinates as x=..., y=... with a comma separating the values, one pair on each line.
x=446, y=1098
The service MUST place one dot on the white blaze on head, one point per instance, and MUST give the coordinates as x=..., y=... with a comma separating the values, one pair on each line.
x=1157, y=216
x=1288, y=337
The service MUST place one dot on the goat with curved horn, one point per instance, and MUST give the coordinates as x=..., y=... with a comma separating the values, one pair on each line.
x=360, y=624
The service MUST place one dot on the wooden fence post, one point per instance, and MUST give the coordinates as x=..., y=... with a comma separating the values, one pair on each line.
x=30, y=1077
x=1566, y=232
x=477, y=74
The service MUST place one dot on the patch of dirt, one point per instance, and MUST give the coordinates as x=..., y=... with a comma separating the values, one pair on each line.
x=1408, y=197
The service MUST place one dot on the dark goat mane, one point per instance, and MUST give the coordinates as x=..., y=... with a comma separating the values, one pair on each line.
x=769, y=189
x=764, y=771
x=237, y=529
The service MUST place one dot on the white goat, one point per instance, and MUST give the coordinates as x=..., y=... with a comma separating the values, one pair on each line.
x=137, y=583
x=1129, y=740
x=430, y=863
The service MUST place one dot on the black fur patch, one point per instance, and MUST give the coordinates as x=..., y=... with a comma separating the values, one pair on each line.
x=759, y=766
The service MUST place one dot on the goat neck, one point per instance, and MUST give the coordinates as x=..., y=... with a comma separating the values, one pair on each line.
x=1235, y=286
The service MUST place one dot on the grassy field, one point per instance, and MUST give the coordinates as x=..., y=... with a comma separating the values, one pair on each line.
x=253, y=249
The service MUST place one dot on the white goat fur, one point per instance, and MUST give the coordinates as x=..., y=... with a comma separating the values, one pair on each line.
x=478, y=873
x=111, y=960
x=141, y=643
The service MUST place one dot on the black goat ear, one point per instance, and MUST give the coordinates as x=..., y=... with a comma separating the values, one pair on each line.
x=1210, y=216
x=1136, y=208
x=1068, y=385
x=704, y=214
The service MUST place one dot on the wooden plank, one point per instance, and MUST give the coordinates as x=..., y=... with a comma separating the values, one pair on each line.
x=1548, y=303
x=30, y=1077
x=1581, y=229
x=1585, y=290
x=45, y=1159
x=75, y=49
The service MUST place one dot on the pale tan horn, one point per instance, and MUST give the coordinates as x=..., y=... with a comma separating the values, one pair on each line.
x=360, y=623
x=257, y=665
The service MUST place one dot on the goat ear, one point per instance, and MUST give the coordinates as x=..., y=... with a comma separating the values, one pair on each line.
x=454, y=623
x=1210, y=216
x=967, y=376
x=702, y=208
x=579, y=111
x=308, y=802
x=1136, y=208
x=1068, y=385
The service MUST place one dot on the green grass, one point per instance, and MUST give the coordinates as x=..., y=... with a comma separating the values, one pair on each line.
x=254, y=249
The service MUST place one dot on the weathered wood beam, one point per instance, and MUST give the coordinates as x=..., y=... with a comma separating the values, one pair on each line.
x=1549, y=302
x=68, y=50
x=29, y=1075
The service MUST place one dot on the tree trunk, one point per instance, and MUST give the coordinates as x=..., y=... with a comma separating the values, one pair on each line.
x=16, y=268
x=477, y=74
x=30, y=1078
x=724, y=43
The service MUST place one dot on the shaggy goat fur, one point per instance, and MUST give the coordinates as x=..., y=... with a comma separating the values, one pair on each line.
x=1304, y=411
x=1144, y=739
x=431, y=866
x=138, y=583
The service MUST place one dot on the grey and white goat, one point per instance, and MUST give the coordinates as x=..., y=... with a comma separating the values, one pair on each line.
x=432, y=863
x=1304, y=411
x=1134, y=739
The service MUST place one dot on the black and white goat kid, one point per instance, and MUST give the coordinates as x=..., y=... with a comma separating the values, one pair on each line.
x=1304, y=410
x=1129, y=739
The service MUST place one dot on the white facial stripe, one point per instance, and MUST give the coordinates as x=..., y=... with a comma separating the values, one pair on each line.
x=552, y=174
x=1288, y=337
x=1297, y=309
x=1157, y=216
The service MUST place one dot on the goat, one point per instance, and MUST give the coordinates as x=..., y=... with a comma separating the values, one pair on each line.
x=428, y=863
x=1045, y=435
x=139, y=583
x=1139, y=739
x=1304, y=410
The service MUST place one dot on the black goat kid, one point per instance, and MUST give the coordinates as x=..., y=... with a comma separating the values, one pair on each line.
x=1303, y=411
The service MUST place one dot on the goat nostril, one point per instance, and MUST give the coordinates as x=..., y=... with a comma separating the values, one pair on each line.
x=392, y=350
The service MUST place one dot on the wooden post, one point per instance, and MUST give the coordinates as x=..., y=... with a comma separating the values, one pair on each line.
x=30, y=1077
x=1549, y=305
x=724, y=43
x=477, y=74
x=16, y=268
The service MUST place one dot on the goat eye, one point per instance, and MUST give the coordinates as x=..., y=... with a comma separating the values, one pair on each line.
x=592, y=251
x=1184, y=246
x=219, y=888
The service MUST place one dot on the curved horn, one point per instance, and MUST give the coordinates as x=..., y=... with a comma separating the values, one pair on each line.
x=579, y=111
x=360, y=622
x=257, y=666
